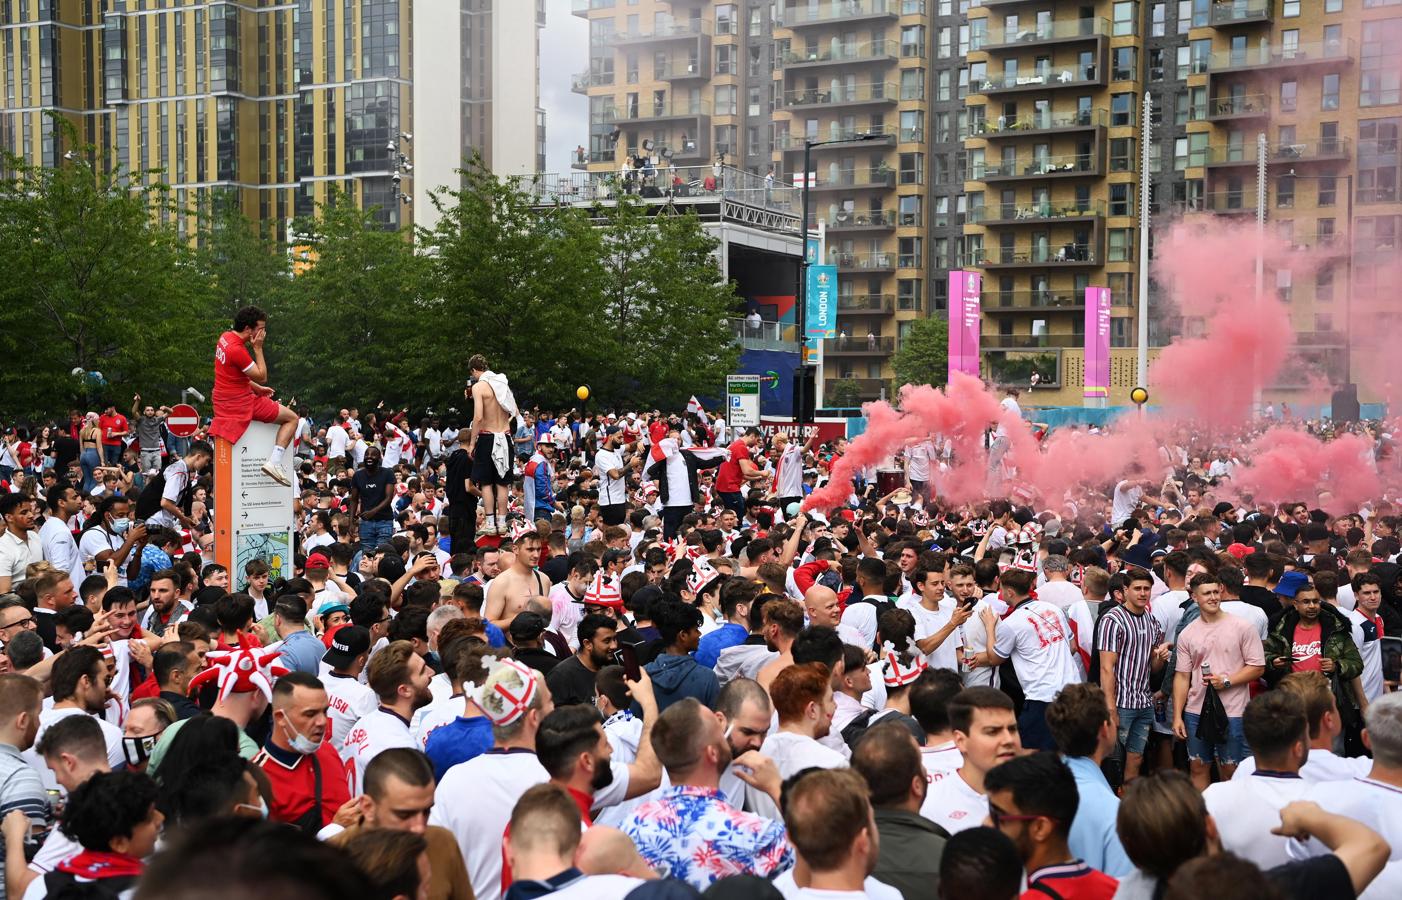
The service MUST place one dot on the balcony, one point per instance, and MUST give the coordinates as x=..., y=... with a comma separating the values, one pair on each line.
x=1225, y=203
x=1323, y=150
x=1035, y=124
x=1328, y=244
x=1242, y=107
x=591, y=157
x=840, y=54
x=878, y=220
x=1068, y=255
x=671, y=108
x=581, y=83
x=877, y=93
x=855, y=345
x=1040, y=35
x=684, y=70
x=1072, y=165
x=1036, y=213
x=1033, y=301
x=868, y=388
x=676, y=31
x=581, y=7
x=838, y=179
x=862, y=261
x=674, y=184
x=1240, y=12
x=838, y=138
x=847, y=12
x=1281, y=56
x=1031, y=341
x=864, y=304
x=1066, y=77
x=764, y=335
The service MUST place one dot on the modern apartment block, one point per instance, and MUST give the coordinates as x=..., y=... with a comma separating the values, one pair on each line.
x=276, y=102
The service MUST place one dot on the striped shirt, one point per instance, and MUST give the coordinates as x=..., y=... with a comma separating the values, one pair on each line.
x=20, y=788
x=1134, y=638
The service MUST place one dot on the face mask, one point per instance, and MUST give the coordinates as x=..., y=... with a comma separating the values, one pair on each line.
x=119, y=526
x=301, y=743
x=262, y=806
x=138, y=749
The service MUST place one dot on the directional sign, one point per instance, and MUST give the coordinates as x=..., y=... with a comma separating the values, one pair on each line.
x=253, y=513
x=743, y=405
x=183, y=420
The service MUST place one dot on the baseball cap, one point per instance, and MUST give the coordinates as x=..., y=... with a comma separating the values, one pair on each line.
x=612, y=430
x=317, y=561
x=1291, y=583
x=332, y=606
x=347, y=642
x=1240, y=551
x=527, y=626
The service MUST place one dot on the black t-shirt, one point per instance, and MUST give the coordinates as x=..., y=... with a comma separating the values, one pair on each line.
x=65, y=452
x=1262, y=598
x=571, y=682
x=543, y=661
x=459, y=470
x=370, y=487
x=1311, y=879
x=556, y=568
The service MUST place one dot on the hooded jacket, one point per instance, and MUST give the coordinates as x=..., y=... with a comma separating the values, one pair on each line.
x=1335, y=642
x=678, y=677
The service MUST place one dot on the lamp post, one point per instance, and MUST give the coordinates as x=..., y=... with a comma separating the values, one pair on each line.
x=1256, y=406
x=808, y=145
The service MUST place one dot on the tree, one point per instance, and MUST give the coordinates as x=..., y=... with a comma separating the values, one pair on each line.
x=842, y=393
x=97, y=278
x=354, y=326
x=245, y=267
x=923, y=357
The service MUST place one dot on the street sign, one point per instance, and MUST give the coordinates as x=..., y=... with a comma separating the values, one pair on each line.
x=253, y=513
x=183, y=420
x=742, y=400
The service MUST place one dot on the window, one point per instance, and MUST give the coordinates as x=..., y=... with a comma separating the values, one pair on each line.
x=1124, y=63
x=909, y=210
x=908, y=293
x=1120, y=204
x=1185, y=16
x=1156, y=64
x=1329, y=92
x=1289, y=91
x=1290, y=9
x=1122, y=154
x=1380, y=78
x=1121, y=244
x=725, y=59
x=1183, y=62
x=1121, y=109
x=755, y=102
x=1125, y=18
x=1180, y=154
x=725, y=100
x=911, y=132
x=1328, y=191
x=913, y=40
x=725, y=139
x=1197, y=149
x=1324, y=285
x=913, y=83
x=1284, y=285
x=1379, y=163
x=725, y=18
x=1202, y=55
x=1158, y=18
x=1333, y=6
x=912, y=168
x=1285, y=192
x=909, y=252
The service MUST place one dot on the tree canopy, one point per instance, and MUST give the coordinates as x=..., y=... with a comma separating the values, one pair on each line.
x=923, y=355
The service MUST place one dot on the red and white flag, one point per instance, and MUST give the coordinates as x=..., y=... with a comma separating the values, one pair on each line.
x=694, y=406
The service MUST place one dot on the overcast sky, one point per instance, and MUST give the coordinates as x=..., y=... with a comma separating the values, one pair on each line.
x=564, y=50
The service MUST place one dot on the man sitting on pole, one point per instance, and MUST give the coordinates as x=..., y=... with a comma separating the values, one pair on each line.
x=241, y=392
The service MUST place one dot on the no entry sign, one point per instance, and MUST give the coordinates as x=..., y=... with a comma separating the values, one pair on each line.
x=183, y=420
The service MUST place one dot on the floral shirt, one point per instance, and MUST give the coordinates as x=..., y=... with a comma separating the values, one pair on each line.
x=690, y=833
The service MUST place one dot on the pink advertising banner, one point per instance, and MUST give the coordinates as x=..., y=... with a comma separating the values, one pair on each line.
x=965, y=317
x=1097, y=343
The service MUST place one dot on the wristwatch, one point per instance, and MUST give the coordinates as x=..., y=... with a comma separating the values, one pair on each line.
x=1226, y=682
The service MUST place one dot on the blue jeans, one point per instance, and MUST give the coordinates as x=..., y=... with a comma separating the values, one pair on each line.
x=112, y=454
x=1032, y=726
x=89, y=461
x=373, y=533
x=1134, y=728
x=1230, y=753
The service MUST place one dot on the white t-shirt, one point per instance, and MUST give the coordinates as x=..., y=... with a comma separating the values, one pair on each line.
x=796, y=752
x=953, y=804
x=97, y=540
x=47, y=717
x=790, y=475
x=495, y=780
x=1323, y=765
x=941, y=760
x=57, y=847
x=336, y=440
x=930, y=621
x=1371, y=803
x=1346, y=599
x=350, y=702
x=861, y=617
x=435, y=715
x=1124, y=501
x=1008, y=404
x=1253, y=614
x=1369, y=642
x=612, y=491
x=1246, y=809
x=871, y=889
x=177, y=479
x=435, y=442
x=975, y=641
x=1037, y=638
x=917, y=461
x=61, y=550
x=677, y=474
x=375, y=732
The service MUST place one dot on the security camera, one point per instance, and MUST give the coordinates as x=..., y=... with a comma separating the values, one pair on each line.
x=194, y=393
x=391, y=147
x=406, y=135
x=395, y=177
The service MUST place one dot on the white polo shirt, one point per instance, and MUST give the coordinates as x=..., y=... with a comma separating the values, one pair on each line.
x=954, y=805
x=1246, y=809
x=350, y=702
x=375, y=732
x=494, y=781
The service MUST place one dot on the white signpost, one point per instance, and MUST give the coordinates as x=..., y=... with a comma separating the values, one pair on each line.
x=742, y=401
x=253, y=513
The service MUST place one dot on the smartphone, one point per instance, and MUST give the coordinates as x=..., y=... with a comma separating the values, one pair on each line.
x=627, y=656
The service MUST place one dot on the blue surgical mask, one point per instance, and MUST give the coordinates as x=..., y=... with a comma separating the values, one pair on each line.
x=262, y=806
x=300, y=742
x=119, y=526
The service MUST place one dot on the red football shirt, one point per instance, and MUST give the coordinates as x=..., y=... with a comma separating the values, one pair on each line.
x=729, y=478
x=110, y=425
x=231, y=364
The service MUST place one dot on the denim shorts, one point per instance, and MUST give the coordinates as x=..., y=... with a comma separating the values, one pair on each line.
x=1134, y=727
x=1230, y=753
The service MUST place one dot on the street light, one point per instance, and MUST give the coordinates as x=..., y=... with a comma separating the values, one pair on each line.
x=803, y=259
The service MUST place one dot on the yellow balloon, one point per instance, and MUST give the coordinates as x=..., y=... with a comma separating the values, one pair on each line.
x=1139, y=395
x=582, y=392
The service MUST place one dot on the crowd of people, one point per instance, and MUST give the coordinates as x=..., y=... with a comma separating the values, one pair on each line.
x=610, y=655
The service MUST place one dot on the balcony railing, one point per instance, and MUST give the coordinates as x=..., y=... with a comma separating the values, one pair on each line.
x=1244, y=106
x=587, y=158
x=671, y=108
x=1291, y=152
x=1241, y=12
x=1046, y=32
x=1035, y=123
x=822, y=13
x=583, y=81
x=853, y=178
x=1072, y=254
x=877, y=92
x=666, y=183
x=837, y=135
x=1330, y=243
x=869, y=51
x=1035, y=212
x=683, y=69
x=1034, y=300
x=866, y=261
x=666, y=31
x=845, y=220
x=582, y=7
x=864, y=303
x=1281, y=55
x=1227, y=203
x=1039, y=167
x=1068, y=76
x=764, y=335
x=857, y=344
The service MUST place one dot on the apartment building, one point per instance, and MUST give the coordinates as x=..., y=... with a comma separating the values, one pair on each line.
x=275, y=102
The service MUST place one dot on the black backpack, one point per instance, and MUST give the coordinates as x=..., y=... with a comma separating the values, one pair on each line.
x=148, y=502
x=66, y=886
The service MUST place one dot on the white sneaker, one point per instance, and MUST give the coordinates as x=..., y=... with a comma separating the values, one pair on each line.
x=276, y=473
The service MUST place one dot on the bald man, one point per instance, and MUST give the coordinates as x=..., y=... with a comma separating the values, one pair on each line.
x=823, y=608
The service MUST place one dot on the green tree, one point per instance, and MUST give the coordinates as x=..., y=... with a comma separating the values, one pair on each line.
x=923, y=357
x=245, y=266
x=97, y=278
x=351, y=328
x=842, y=393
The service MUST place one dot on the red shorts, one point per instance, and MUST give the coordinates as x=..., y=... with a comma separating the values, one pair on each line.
x=265, y=409
x=231, y=419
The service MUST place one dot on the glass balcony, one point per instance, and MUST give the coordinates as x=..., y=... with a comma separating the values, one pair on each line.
x=1065, y=77
x=581, y=7
x=670, y=108
x=1240, y=12
x=582, y=82
x=666, y=31
x=764, y=335
x=831, y=179
x=859, y=345
x=848, y=220
x=683, y=70
x=1327, y=244
x=1036, y=123
x=665, y=184
x=837, y=53
x=1069, y=254
x=824, y=12
x=862, y=261
x=867, y=388
x=856, y=304
x=1282, y=56
x=1012, y=301
x=1227, y=203
x=834, y=137
x=1242, y=106
x=1323, y=150
x=1034, y=33
x=1072, y=164
x=843, y=95
x=1030, y=341
x=1033, y=213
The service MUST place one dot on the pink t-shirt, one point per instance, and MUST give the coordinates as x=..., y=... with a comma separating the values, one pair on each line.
x=1227, y=644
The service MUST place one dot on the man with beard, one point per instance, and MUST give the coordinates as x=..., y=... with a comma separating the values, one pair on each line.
x=612, y=472
x=370, y=497
x=573, y=748
x=79, y=681
x=572, y=681
x=399, y=677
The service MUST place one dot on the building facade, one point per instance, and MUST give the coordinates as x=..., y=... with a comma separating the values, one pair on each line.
x=274, y=103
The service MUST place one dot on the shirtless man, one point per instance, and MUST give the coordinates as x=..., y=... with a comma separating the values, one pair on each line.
x=490, y=442
x=241, y=392
x=508, y=593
